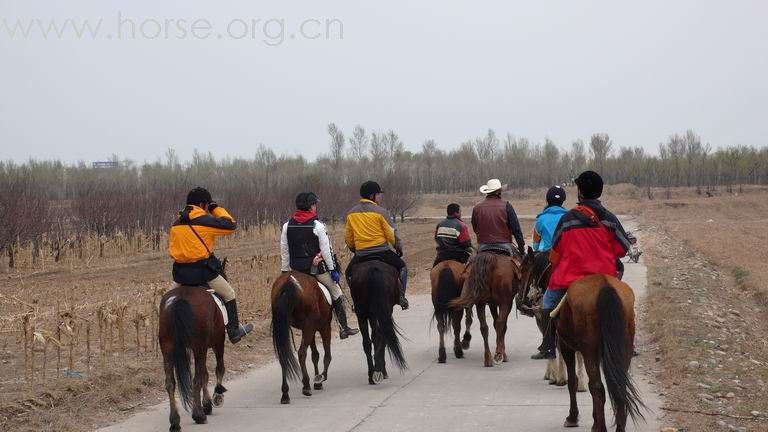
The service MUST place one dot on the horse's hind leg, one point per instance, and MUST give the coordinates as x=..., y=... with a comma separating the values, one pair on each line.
x=318, y=381
x=487, y=362
x=501, y=331
x=456, y=323
x=325, y=334
x=379, y=367
x=306, y=340
x=441, y=332
x=467, y=335
x=170, y=387
x=568, y=355
x=597, y=390
x=363, y=323
x=218, y=391
x=201, y=377
x=207, y=403
x=580, y=373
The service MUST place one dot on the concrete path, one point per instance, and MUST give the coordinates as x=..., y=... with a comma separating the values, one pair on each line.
x=460, y=395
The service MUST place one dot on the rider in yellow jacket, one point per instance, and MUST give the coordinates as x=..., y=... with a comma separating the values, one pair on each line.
x=192, y=241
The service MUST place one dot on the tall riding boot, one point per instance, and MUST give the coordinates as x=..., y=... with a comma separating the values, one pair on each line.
x=341, y=316
x=403, y=284
x=234, y=329
x=548, y=345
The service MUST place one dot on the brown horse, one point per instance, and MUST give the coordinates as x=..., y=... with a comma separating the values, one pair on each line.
x=492, y=280
x=298, y=301
x=597, y=318
x=447, y=279
x=375, y=286
x=191, y=321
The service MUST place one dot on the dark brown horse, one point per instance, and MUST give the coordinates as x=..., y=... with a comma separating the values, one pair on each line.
x=597, y=319
x=298, y=302
x=191, y=321
x=447, y=280
x=375, y=286
x=492, y=280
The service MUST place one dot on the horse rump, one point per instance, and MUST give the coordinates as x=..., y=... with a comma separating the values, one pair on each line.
x=613, y=356
x=478, y=283
x=447, y=290
x=182, y=323
x=380, y=307
x=282, y=317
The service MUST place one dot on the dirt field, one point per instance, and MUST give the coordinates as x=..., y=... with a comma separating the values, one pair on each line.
x=705, y=265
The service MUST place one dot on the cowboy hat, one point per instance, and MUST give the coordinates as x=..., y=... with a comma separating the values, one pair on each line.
x=492, y=186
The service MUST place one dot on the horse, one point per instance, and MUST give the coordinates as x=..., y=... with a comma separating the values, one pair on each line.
x=191, y=321
x=447, y=279
x=375, y=291
x=492, y=280
x=597, y=318
x=299, y=302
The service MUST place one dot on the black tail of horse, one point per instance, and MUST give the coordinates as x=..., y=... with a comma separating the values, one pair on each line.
x=447, y=290
x=380, y=307
x=182, y=325
x=612, y=326
x=282, y=315
x=478, y=282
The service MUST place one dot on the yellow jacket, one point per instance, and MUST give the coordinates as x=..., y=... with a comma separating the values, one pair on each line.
x=185, y=247
x=370, y=229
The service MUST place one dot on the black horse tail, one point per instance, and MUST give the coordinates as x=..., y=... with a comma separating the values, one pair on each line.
x=282, y=317
x=614, y=359
x=381, y=310
x=447, y=290
x=477, y=286
x=182, y=325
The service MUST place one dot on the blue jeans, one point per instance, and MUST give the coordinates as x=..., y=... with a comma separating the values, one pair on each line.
x=552, y=298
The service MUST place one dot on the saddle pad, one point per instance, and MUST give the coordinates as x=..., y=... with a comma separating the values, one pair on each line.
x=326, y=293
x=556, y=311
x=220, y=304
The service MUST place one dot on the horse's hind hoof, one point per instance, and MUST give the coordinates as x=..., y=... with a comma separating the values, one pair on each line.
x=319, y=378
x=561, y=384
x=441, y=359
x=497, y=359
x=285, y=400
x=306, y=392
x=318, y=386
x=200, y=419
x=377, y=377
x=571, y=423
x=218, y=399
x=458, y=353
x=465, y=344
x=207, y=407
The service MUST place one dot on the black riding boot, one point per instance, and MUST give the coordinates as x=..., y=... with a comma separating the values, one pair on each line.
x=341, y=316
x=403, y=283
x=234, y=330
x=547, y=350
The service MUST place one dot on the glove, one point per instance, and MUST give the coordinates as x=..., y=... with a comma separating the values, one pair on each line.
x=212, y=206
x=336, y=276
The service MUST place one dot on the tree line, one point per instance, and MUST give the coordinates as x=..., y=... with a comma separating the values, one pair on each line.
x=58, y=204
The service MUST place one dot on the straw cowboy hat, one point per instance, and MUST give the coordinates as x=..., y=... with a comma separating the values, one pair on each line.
x=492, y=186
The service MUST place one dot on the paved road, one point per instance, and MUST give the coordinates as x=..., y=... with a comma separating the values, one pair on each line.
x=460, y=395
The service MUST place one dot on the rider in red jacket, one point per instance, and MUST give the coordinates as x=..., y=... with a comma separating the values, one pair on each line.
x=589, y=239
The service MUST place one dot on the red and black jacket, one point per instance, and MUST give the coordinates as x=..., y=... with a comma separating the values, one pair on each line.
x=588, y=240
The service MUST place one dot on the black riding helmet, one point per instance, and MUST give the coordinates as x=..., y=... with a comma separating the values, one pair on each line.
x=369, y=189
x=199, y=195
x=590, y=184
x=556, y=195
x=305, y=200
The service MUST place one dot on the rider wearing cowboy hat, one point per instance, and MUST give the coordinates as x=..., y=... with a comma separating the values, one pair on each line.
x=495, y=221
x=303, y=239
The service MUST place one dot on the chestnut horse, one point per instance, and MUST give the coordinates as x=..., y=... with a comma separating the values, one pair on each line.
x=597, y=318
x=447, y=279
x=374, y=286
x=191, y=321
x=493, y=280
x=298, y=302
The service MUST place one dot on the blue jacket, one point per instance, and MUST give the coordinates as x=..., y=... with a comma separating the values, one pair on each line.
x=546, y=225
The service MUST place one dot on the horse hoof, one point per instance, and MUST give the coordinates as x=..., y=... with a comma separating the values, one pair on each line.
x=319, y=378
x=285, y=400
x=306, y=392
x=386, y=376
x=497, y=359
x=174, y=428
x=377, y=377
x=200, y=419
x=561, y=384
x=218, y=399
x=571, y=423
x=207, y=407
x=441, y=359
x=318, y=386
x=465, y=344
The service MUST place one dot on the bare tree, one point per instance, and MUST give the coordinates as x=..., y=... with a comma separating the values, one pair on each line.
x=337, y=145
x=600, y=146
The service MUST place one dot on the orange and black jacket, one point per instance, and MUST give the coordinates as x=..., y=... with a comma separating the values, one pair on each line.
x=187, y=250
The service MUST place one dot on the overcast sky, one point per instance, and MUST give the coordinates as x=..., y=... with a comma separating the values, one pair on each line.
x=446, y=70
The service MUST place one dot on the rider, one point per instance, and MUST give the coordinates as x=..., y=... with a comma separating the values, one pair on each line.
x=452, y=237
x=495, y=222
x=304, y=238
x=192, y=240
x=371, y=233
x=543, y=231
x=589, y=240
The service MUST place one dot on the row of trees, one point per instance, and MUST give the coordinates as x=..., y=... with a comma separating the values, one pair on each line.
x=61, y=203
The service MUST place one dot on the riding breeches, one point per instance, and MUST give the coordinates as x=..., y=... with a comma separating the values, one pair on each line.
x=325, y=279
x=220, y=286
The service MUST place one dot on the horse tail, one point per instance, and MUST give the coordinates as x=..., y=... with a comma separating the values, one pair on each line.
x=381, y=309
x=182, y=323
x=478, y=283
x=612, y=327
x=447, y=290
x=282, y=317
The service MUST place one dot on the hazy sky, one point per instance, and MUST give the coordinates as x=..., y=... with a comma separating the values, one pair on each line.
x=446, y=70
